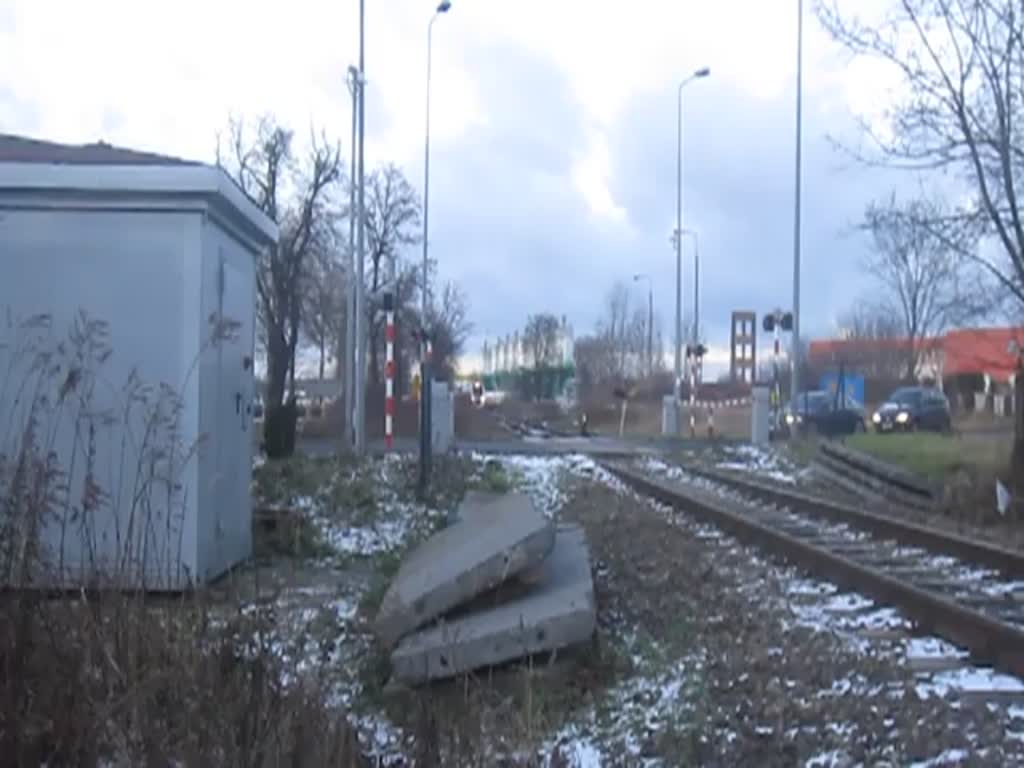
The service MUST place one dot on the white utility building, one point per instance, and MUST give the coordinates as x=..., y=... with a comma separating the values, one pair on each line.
x=163, y=252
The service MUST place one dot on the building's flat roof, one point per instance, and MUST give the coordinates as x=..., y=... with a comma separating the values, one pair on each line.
x=21, y=149
x=33, y=166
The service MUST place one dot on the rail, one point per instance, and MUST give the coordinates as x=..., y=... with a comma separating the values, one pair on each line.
x=873, y=567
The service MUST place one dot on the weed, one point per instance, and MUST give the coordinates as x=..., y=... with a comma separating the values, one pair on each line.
x=289, y=535
x=386, y=565
x=121, y=678
x=494, y=478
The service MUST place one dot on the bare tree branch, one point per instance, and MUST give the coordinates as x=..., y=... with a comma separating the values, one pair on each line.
x=265, y=169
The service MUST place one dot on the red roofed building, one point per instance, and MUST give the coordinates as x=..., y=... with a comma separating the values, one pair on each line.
x=981, y=352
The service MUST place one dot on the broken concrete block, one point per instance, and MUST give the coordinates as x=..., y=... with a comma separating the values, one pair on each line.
x=556, y=612
x=472, y=503
x=494, y=541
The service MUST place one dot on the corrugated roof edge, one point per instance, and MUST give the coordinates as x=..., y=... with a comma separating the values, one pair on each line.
x=142, y=178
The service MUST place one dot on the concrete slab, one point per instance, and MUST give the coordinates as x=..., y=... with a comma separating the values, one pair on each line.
x=556, y=612
x=494, y=541
x=473, y=504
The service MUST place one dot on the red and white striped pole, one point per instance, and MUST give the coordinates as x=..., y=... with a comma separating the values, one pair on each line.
x=389, y=372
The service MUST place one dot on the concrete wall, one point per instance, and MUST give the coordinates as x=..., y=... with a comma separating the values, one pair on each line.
x=137, y=271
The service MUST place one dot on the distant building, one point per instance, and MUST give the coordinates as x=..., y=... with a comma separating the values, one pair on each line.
x=980, y=352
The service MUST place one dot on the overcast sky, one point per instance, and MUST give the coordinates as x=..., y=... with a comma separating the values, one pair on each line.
x=553, y=130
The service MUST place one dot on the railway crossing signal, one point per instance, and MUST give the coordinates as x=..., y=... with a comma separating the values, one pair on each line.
x=784, y=320
x=774, y=322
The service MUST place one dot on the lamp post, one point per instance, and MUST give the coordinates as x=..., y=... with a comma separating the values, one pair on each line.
x=349, y=370
x=425, y=374
x=443, y=7
x=695, y=331
x=678, y=369
x=650, y=320
x=795, y=356
x=360, y=319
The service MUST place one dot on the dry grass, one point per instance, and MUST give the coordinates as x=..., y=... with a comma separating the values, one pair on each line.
x=118, y=677
x=937, y=456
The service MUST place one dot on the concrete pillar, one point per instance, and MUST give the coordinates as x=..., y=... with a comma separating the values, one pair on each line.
x=442, y=417
x=761, y=410
x=669, y=415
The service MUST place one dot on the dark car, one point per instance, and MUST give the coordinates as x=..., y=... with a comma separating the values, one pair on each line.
x=910, y=408
x=825, y=413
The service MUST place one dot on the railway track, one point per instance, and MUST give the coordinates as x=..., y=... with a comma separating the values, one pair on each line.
x=964, y=591
x=871, y=479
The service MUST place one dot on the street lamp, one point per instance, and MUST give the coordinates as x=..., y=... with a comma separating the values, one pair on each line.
x=355, y=83
x=425, y=375
x=444, y=7
x=698, y=74
x=795, y=357
x=650, y=320
x=360, y=316
x=695, y=331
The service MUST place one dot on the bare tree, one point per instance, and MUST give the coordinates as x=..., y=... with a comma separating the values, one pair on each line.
x=875, y=342
x=869, y=320
x=614, y=325
x=925, y=281
x=541, y=340
x=449, y=327
x=392, y=223
x=324, y=303
x=636, y=343
x=596, y=362
x=298, y=197
x=960, y=64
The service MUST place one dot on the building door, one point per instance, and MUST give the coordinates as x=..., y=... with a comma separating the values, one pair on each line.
x=236, y=390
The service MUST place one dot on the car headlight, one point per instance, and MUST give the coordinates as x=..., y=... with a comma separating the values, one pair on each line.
x=877, y=418
x=789, y=418
x=902, y=418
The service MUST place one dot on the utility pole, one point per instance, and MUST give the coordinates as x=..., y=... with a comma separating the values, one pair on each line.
x=650, y=330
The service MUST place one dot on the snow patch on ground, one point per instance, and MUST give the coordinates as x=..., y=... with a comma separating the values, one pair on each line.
x=932, y=648
x=540, y=477
x=647, y=703
x=946, y=758
x=969, y=679
x=385, y=535
x=578, y=753
x=388, y=527
x=760, y=461
x=832, y=759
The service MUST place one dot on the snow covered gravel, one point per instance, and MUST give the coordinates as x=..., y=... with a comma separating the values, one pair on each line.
x=730, y=659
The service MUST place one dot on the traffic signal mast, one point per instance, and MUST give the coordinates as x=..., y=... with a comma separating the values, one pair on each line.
x=774, y=322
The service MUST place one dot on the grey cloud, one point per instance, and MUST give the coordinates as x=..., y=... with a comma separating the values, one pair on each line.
x=508, y=223
x=506, y=220
x=739, y=181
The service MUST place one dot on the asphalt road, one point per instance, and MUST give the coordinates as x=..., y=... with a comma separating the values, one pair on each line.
x=606, y=447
